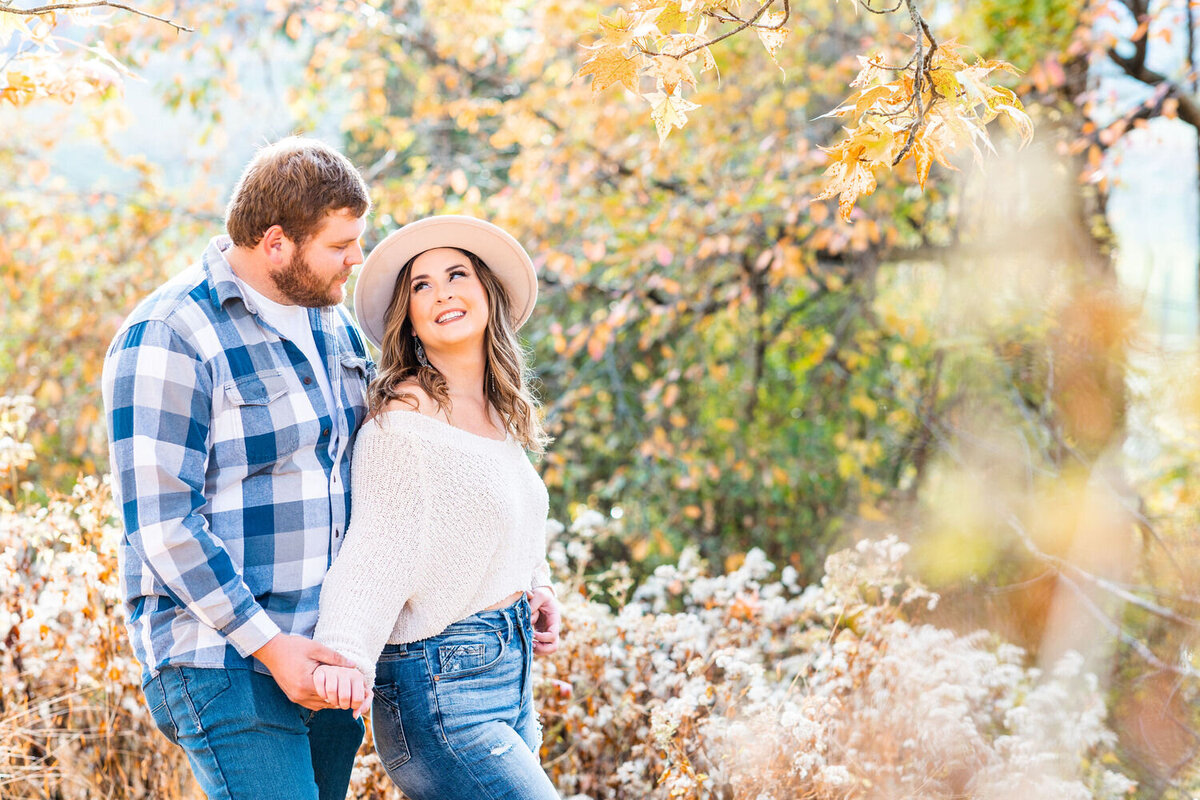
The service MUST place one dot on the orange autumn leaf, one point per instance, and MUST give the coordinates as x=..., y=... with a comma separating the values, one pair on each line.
x=609, y=66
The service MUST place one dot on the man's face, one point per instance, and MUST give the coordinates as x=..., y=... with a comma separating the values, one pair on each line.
x=316, y=274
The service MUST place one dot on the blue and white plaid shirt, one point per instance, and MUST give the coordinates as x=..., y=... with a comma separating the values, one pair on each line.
x=231, y=473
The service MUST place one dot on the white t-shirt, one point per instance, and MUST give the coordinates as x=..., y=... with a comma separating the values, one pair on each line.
x=292, y=322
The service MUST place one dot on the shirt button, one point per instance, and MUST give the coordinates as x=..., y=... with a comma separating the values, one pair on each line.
x=335, y=478
x=307, y=381
x=325, y=432
x=337, y=533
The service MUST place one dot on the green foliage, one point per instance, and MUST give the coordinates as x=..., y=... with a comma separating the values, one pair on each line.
x=724, y=362
x=1022, y=32
x=706, y=341
x=710, y=350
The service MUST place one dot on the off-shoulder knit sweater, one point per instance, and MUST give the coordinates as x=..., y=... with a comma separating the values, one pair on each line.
x=444, y=523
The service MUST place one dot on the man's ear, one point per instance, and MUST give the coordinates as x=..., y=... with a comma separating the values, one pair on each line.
x=276, y=246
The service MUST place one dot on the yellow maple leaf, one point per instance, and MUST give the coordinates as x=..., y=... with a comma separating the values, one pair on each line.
x=623, y=29
x=868, y=98
x=671, y=71
x=922, y=157
x=849, y=176
x=772, y=39
x=672, y=17
x=1005, y=101
x=682, y=42
x=611, y=65
x=872, y=68
x=668, y=111
x=945, y=82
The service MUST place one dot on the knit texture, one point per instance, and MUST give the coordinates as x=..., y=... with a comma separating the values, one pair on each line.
x=444, y=523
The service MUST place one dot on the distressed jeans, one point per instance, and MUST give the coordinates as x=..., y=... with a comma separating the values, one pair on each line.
x=245, y=740
x=453, y=715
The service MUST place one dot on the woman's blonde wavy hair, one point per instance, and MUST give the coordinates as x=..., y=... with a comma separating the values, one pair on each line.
x=506, y=374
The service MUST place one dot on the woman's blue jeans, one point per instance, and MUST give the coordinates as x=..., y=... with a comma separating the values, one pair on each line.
x=453, y=715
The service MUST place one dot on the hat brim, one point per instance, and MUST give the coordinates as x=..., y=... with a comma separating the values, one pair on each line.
x=503, y=254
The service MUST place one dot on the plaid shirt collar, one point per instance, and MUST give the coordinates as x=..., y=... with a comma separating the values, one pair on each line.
x=224, y=284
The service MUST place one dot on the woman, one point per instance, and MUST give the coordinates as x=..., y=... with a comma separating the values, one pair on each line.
x=442, y=579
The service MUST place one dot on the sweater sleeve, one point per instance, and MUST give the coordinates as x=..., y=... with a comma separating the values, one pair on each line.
x=541, y=575
x=373, y=576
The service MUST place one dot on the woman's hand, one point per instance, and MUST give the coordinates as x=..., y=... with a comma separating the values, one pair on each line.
x=342, y=687
x=290, y=658
x=546, y=618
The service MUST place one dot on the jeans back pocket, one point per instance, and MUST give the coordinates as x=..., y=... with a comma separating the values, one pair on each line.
x=387, y=729
x=156, y=700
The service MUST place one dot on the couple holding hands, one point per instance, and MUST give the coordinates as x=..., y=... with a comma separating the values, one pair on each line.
x=268, y=610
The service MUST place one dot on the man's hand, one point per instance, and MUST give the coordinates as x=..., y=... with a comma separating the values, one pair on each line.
x=343, y=687
x=546, y=618
x=292, y=660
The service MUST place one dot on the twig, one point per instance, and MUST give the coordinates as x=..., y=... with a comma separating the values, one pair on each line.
x=867, y=5
x=750, y=23
x=39, y=10
x=1133, y=642
x=1061, y=565
x=921, y=63
x=20, y=51
x=1022, y=585
x=1065, y=570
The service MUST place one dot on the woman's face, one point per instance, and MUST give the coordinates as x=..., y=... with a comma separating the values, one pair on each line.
x=447, y=304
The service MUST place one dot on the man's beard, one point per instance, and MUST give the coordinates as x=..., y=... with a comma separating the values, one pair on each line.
x=298, y=283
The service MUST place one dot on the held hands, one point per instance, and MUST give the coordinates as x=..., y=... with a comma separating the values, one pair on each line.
x=546, y=618
x=292, y=659
x=343, y=687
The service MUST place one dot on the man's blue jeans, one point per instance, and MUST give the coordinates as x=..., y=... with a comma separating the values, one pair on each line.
x=246, y=740
x=453, y=715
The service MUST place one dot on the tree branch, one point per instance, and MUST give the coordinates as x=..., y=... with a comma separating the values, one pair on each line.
x=1061, y=566
x=749, y=23
x=1068, y=572
x=1189, y=110
x=921, y=63
x=1125, y=638
x=867, y=5
x=47, y=9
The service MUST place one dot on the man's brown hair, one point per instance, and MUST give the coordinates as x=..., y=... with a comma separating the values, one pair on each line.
x=293, y=183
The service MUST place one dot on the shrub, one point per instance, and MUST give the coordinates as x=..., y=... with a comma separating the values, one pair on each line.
x=740, y=686
x=691, y=685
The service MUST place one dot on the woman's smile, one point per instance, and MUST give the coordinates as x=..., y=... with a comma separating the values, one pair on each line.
x=448, y=305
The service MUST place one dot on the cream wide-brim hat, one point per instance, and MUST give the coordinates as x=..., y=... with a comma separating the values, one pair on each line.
x=503, y=254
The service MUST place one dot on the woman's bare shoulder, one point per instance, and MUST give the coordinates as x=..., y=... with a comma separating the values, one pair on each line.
x=411, y=397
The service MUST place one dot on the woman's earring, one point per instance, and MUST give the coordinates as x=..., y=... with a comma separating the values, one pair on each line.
x=421, y=359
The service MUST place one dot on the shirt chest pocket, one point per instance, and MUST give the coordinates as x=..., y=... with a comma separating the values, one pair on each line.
x=258, y=425
x=355, y=374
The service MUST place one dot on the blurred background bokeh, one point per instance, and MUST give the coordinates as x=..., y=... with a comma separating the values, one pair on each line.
x=984, y=390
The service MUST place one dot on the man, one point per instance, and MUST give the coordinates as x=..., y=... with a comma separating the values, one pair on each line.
x=233, y=394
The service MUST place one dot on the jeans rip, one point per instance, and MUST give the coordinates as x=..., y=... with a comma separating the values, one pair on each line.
x=469, y=728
